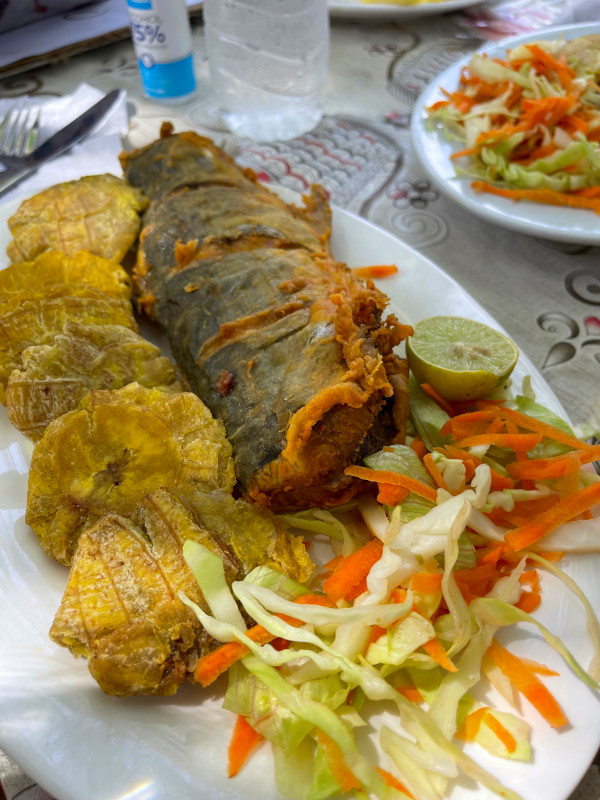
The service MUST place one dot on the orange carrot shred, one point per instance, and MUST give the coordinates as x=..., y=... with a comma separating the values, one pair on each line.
x=525, y=680
x=514, y=441
x=469, y=728
x=565, y=510
x=426, y=582
x=435, y=649
x=243, y=741
x=528, y=601
x=570, y=481
x=353, y=569
x=553, y=467
x=343, y=776
x=505, y=736
x=418, y=445
x=376, y=271
x=393, y=782
x=411, y=693
x=391, y=495
x=433, y=470
x=442, y=403
x=395, y=478
x=544, y=195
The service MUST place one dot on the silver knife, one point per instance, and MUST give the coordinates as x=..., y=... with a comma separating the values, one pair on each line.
x=19, y=168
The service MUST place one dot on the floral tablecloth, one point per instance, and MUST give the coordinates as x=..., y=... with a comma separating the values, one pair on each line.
x=546, y=295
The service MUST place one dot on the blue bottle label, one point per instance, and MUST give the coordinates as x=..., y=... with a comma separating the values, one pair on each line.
x=160, y=30
x=167, y=80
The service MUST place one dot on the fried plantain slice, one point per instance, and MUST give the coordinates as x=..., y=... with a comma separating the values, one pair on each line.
x=38, y=321
x=252, y=533
x=55, y=377
x=116, y=448
x=59, y=274
x=97, y=213
x=121, y=609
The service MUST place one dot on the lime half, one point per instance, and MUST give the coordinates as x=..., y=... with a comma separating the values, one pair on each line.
x=461, y=359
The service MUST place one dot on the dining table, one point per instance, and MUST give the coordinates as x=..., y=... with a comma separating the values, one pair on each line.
x=544, y=294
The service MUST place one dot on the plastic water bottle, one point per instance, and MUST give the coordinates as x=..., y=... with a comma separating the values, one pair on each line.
x=162, y=39
x=268, y=63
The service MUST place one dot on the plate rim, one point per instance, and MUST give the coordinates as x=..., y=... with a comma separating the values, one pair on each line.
x=346, y=10
x=447, y=183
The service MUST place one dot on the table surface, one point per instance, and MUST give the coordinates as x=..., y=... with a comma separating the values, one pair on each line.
x=546, y=295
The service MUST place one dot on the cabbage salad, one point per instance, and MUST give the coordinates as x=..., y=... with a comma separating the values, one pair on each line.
x=420, y=574
x=530, y=124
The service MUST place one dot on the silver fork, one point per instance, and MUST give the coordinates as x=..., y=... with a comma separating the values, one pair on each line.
x=19, y=130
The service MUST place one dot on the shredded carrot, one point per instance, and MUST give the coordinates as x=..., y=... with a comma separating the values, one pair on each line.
x=491, y=556
x=433, y=470
x=570, y=480
x=514, y=441
x=565, y=73
x=393, y=782
x=353, y=569
x=469, y=728
x=398, y=595
x=499, y=482
x=376, y=633
x=218, y=661
x=553, y=467
x=442, y=403
x=411, y=693
x=335, y=761
x=356, y=591
x=426, y=582
x=418, y=445
x=391, y=495
x=435, y=649
x=530, y=577
x=395, y=478
x=334, y=563
x=528, y=601
x=505, y=736
x=565, y=510
x=489, y=411
x=525, y=680
x=376, y=271
x=484, y=572
x=544, y=195
x=243, y=741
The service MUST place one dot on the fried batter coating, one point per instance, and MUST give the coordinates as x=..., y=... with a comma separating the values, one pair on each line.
x=116, y=448
x=121, y=608
x=55, y=377
x=98, y=213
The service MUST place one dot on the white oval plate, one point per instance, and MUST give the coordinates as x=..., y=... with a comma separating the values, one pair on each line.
x=434, y=151
x=354, y=9
x=81, y=744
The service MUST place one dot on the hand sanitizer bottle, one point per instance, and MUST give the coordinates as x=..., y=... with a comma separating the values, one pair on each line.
x=162, y=39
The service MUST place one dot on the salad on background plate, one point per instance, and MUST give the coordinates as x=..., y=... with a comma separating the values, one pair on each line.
x=513, y=132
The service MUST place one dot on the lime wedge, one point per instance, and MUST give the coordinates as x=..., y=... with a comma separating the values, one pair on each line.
x=461, y=359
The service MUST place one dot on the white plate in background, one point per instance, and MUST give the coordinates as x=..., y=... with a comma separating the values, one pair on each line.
x=434, y=150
